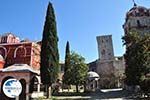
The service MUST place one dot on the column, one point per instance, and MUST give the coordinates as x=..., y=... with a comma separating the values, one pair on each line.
x=97, y=84
x=17, y=98
x=93, y=82
x=118, y=85
x=27, y=91
x=38, y=87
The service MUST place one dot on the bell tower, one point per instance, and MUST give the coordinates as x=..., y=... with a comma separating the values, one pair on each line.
x=137, y=20
x=105, y=47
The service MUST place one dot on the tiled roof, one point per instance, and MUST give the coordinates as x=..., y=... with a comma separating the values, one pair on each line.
x=138, y=11
x=20, y=67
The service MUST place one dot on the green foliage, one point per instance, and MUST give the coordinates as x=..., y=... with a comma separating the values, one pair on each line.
x=66, y=76
x=137, y=57
x=49, y=49
x=144, y=84
x=78, y=70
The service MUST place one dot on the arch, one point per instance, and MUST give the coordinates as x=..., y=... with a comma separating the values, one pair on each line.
x=3, y=96
x=38, y=78
x=5, y=50
x=22, y=96
x=15, y=52
x=34, y=84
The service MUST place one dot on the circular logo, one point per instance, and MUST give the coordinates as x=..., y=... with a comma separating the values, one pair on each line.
x=12, y=88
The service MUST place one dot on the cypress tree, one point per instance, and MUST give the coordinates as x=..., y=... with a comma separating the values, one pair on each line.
x=49, y=50
x=66, y=75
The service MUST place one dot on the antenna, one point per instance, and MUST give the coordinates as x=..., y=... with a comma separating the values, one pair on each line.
x=134, y=3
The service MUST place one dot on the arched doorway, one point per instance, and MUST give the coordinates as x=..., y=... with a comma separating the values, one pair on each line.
x=3, y=96
x=34, y=84
x=22, y=96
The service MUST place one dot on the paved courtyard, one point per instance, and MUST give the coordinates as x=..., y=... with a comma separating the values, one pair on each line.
x=104, y=94
x=111, y=94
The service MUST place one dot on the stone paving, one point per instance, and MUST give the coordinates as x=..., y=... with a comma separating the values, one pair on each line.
x=111, y=94
x=104, y=94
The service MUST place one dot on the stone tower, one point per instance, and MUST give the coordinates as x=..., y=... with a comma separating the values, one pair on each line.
x=105, y=47
x=137, y=20
x=105, y=66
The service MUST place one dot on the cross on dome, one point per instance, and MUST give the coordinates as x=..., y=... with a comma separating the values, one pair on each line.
x=134, y=3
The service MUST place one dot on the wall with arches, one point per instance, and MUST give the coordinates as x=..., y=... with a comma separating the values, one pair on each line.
x=21, y=53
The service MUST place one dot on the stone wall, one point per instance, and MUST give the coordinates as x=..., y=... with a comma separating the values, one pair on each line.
x=105, y=70
x=110, y=68
x=111, y=72
x=36, y=49
x=105, y=47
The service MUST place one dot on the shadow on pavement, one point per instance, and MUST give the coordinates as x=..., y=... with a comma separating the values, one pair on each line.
x=119, y=94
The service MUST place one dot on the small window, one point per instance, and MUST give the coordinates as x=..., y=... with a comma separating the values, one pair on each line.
x=103, y=52
x=138, y=23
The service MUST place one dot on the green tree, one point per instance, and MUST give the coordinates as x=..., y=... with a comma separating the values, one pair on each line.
x=49, y=50
x=137, y=57
x=78, y=71
x=66, y=76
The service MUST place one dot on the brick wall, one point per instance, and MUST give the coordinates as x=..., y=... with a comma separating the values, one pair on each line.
x=21, y=53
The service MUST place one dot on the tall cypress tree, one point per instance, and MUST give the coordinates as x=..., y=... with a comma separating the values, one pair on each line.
x=49, y=49
x=66, y=75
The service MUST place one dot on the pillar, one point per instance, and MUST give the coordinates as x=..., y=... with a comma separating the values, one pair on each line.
x=38, y=87
x=118, y=84
x=27, y=91
x=93, y=82
x=17, y=98
x=97, y=84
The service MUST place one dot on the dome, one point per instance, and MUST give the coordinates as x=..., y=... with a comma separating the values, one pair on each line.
x=1, y=58
x=92, y=75
x=138, y=11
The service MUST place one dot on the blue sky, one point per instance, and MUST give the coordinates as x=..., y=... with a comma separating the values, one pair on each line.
x=78, y=21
